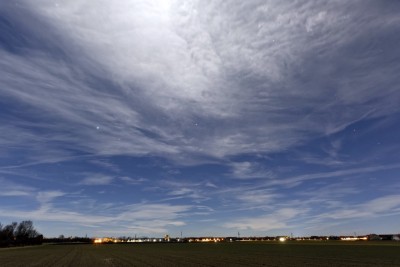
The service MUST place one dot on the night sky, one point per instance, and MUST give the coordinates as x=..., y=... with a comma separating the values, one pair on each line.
x=147, y=118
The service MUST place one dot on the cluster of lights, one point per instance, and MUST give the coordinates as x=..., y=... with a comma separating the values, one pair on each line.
x=106, y=240
x=207, y=239
x=353, y=238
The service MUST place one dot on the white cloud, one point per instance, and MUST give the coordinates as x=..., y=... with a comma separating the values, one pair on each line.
x=144, y=217
x=193, y=191
x=131, y=180
x=275, y=220
x=294, y=181
x=15, y=193
x=181, y=191
x=10, y=189
x=153, y=211
x=97, y=179
x=209, y=184
x=383, y=204
x=48, y=196
x=254, y=198
x=380, y=206
x=246, y=169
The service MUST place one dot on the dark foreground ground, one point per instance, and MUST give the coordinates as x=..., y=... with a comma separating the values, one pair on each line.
x=210, y=254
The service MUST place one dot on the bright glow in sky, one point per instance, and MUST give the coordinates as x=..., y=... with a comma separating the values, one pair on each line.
x=139, y=117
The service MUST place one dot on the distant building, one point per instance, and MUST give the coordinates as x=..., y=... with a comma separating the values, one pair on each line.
x=386, y=237
x=374, y=237
x=166, y=238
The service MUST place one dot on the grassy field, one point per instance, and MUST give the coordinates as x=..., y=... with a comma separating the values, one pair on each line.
x=210, y=254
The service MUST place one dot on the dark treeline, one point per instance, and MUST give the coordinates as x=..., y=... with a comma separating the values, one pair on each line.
x=19, y=234
x=65, y=240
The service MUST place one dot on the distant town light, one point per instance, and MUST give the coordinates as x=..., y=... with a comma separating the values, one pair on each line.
x=282, y=239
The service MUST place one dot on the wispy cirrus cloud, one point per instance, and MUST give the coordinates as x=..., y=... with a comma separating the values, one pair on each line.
x=15, y=193
x=132, y=181
x=246, y=170
x=150, y=218
x=255, y=199
x=10, y=189
x=276, y=220
x=194, y=82
x=294, y=181
x=195, y=191
x=97, y=179
x=386, y=205
x=47, y=196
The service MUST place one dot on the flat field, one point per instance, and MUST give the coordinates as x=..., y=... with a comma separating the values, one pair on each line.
x=291, y=253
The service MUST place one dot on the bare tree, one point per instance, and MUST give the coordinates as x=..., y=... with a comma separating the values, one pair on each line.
x=25, y=230
x=7, y=232
x=19, y=234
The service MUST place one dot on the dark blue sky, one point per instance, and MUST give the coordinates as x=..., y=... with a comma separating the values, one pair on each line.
x=155, y=117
